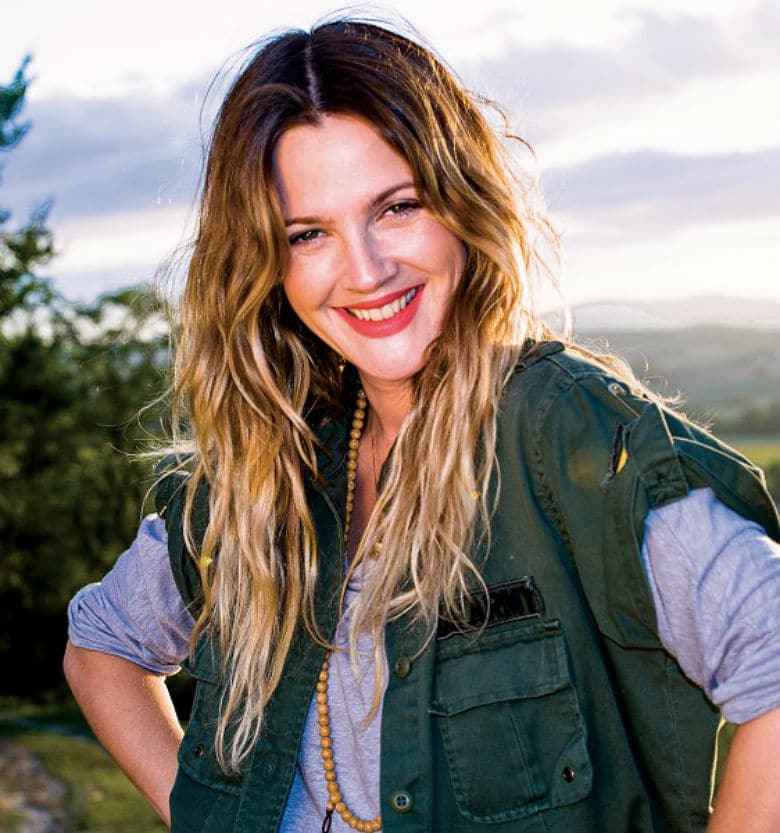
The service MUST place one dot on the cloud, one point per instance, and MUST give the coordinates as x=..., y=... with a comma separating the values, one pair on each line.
x=654, y=190
x=657, y=52
x=550, y=75
x=106, y=155
x=760, y=32
x=124, y=154
x=682, y=46
x=661, y=82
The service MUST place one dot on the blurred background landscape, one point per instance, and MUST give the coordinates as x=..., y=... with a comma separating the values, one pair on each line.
x=660, y=158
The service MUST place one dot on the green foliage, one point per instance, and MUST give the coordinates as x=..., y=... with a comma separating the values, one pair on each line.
x=11, y=100
x=70, y=494
x=72, y=379
x=20, y=252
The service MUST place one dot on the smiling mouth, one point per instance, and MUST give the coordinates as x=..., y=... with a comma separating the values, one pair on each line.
x=384, y=313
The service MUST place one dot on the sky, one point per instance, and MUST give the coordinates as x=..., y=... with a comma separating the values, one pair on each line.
x=655, y=124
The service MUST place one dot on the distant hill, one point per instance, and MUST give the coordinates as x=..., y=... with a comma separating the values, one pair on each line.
x=721, y=370
x=763, y=313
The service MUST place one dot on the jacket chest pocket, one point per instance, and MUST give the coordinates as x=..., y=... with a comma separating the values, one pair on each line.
x=510, y=722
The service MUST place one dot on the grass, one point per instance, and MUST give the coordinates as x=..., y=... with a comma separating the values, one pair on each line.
x=63, y=717
x=100, y=798
x=10, y=820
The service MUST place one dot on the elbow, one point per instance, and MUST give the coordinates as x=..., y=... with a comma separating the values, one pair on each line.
x=75, y=666
x=70, y=663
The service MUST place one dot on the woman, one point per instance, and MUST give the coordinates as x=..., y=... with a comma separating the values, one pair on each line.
x=426, y=559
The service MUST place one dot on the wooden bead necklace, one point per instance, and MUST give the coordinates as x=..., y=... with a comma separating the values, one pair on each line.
x=335, y=798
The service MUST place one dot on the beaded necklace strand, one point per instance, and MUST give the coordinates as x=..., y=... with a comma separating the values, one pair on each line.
x=335, y=798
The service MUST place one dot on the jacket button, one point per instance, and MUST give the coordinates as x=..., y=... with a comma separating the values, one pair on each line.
x=568, y=774
x=401, y=802
x=198, y=750
x=402, y=666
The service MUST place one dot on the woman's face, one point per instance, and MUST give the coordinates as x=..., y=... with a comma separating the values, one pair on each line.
x=371, y=270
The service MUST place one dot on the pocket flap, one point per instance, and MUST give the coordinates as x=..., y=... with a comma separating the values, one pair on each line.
x=525, y=660
x=204, y=664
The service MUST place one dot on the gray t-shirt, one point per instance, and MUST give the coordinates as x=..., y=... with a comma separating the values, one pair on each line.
x=714, y=577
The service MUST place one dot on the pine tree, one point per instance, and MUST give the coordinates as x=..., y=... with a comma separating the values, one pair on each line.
x=26, y=248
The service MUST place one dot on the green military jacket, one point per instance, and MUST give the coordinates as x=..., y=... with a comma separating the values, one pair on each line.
x=563, y=715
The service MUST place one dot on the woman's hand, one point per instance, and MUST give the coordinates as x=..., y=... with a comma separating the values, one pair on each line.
x=132, y=715
x=749, y=794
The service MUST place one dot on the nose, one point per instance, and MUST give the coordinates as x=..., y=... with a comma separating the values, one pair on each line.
x=367, y=262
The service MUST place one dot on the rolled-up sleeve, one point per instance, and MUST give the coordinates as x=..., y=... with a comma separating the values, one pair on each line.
x=136, y=611
x=715, y=579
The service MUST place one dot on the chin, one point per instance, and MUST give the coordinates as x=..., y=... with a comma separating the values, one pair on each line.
x=398, y=376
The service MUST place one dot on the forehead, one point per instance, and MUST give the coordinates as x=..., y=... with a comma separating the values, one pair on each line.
x=340, y=162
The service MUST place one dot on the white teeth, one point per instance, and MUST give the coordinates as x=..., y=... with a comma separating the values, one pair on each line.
x=385, y=312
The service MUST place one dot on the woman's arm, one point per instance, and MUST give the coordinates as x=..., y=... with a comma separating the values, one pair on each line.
x=716, y=583
x=715, y=579
x=126, y=634
x=749, y=794
x=132, y=715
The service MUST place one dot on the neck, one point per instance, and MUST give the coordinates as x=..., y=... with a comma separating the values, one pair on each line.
x=389, y=403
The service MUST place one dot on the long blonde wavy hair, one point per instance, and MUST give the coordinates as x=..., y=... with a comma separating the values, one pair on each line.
x=252, y=384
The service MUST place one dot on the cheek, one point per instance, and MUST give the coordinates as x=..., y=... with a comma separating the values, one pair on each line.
x=444, y=251
x=310, y=277
x=303, y=283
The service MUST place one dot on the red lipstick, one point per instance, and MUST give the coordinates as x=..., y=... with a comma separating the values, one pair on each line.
x=389, y=326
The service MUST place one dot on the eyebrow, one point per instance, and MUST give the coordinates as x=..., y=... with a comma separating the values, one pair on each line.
x=375, y=202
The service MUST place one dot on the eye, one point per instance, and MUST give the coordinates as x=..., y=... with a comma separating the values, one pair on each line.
x=305, y=236
x=400, y=209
